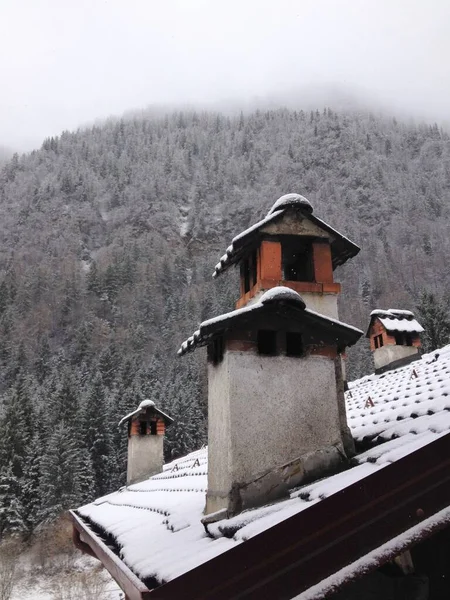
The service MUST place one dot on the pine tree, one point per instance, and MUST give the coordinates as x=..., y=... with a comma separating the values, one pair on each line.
x=31, y=485
x=93, y=280
x=98, y=435
x=108, y=365
x=4, y=297
x=188, y=432
x=65, y=480
x=11, y=509
x=16, y=427
x=434, y=317
x=42, y=361
x=63, y=401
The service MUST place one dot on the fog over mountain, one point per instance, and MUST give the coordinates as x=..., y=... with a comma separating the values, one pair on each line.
x=65, y=64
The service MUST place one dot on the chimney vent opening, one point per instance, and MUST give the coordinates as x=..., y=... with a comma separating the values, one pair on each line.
x=297, y=260
x=378, y=340
x=267, y=342
x=294, y=344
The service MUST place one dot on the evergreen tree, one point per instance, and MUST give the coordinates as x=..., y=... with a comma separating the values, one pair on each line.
x=16, y=427
x=11, y=509
x=93, y=280
x=58, y=482
x=31, y=485
x=433, y=314
x=98, y=435
x=42, y=361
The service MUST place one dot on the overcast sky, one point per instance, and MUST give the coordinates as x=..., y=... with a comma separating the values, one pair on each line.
x=64, y=63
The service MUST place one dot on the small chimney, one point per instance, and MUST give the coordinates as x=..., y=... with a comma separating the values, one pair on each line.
x=146, y=429
x=394, y=338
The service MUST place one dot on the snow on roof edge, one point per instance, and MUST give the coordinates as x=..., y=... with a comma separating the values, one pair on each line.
x=282, y=293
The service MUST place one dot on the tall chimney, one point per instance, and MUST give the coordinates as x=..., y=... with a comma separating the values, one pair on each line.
x=276, y=412
x=146, y=429
x=394, y=336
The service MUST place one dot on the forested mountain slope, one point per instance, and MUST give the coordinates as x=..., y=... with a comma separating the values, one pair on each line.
x=108, y=240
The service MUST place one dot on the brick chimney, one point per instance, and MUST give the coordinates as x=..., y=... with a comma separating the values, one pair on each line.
x=276, y=412
x=146, y=429
x=291, y=247
x=394, y=336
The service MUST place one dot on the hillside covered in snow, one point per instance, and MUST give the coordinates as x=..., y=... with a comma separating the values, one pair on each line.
x=108, y=241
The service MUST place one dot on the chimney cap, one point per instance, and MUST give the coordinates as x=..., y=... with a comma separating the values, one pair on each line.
x=342, y=249
x=146, y=403
x=394, y=319
x=143, y=406
x=295, y=200
x=281, y=293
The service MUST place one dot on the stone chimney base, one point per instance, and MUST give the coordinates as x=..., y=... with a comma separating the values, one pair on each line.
x=391, y=357
x=275, y=484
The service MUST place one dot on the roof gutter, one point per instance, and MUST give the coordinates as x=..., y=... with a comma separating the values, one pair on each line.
x=90, y=543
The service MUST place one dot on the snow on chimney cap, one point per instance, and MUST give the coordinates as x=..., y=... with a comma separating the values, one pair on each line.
x=146, y=403
x=281, y=293
x=292, y=200
x=142, y=407
x=394, y=319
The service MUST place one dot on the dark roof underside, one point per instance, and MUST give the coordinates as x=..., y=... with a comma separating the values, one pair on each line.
x=342, y=334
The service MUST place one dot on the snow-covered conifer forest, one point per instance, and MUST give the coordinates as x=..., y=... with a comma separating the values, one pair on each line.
x=108, y=240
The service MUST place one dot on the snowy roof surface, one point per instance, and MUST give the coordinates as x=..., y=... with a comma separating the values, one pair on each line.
x=279, y=294
x=157, y=523
x=394, y=319
x=406, y=405
x=342, y=247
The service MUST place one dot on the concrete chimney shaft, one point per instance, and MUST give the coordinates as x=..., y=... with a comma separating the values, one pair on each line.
x=146, y=429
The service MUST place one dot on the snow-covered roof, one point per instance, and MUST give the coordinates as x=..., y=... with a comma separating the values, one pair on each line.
x=402, y=405
x=394, y=319
x=342, y=248
x=157, y=523
x=278, y=295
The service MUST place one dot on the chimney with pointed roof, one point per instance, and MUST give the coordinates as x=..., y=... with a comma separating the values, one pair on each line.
x=276, y=413
x=394, y=336
x=146, y=429
x=290, y=247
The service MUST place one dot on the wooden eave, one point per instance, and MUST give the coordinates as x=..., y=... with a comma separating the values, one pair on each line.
x=334, y=331
x=90, y=543
x=148, y=411
x=304, y=549
x=152, y=410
